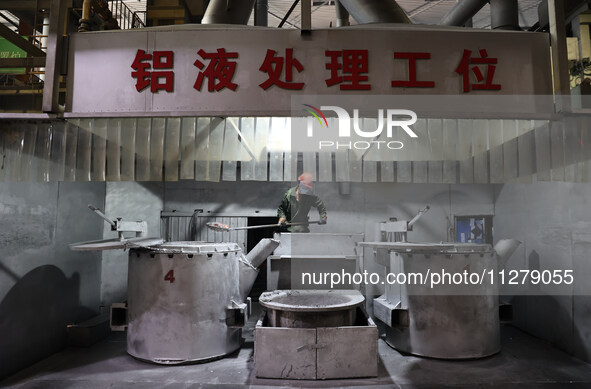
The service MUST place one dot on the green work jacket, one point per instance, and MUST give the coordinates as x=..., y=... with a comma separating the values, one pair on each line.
x=297, y=211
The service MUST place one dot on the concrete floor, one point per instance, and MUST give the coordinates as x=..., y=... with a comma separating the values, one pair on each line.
x=524, y=362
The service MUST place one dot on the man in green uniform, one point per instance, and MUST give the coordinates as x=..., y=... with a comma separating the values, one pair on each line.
x=296, y=204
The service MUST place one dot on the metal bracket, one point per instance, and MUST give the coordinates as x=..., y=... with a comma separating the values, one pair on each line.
x=140, y=227
x=118, y=317
x=236, y=315
x=249, y=307
x=389, y=314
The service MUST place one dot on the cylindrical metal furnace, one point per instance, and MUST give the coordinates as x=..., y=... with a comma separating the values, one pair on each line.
x=446, y=321
x=186, y=301
x=182, y=302
x=454, y=318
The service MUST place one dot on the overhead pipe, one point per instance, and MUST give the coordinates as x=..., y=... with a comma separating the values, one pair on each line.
x=101, y=8
x=375, y=11
x=342, y=14
x=228, y=12
x=462, y=12
x=261, y=9
x=86, y=15
x=504, y=15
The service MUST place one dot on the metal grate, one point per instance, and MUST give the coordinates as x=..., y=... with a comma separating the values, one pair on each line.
x=176, y=226
x=447, y=151
x=192, y=226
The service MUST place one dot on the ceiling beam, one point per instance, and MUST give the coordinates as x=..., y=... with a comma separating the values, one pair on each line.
x=28, y=62
x=24, y=5
x=20, y=42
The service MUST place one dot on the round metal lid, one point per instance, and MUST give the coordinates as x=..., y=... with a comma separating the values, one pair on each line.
x=311, y=300
x=430, y=248
x=192, y=247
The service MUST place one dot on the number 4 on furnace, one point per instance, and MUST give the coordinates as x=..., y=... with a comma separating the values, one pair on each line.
x=169, y=276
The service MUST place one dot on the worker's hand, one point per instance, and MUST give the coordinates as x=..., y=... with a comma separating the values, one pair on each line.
x=282, y=222
x=322, y=221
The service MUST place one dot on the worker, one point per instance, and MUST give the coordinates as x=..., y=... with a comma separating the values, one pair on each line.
x=296, y=204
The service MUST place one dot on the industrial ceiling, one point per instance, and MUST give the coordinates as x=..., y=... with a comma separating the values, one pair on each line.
x=419, y=11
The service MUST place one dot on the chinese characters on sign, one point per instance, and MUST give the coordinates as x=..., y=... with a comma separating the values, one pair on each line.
x=412, y=71
x=219, y=71
x=349, y=69
x=352, y=64
x=11, y=54
x=273, y=66
x=144, y=77
x=463, y=70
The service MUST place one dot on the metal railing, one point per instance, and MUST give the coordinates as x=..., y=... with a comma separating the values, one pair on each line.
x=124, y=16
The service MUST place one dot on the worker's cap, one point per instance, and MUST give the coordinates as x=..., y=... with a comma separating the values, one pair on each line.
x=306, y=185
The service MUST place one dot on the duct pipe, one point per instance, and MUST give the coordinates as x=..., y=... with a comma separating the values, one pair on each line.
x=462, y=12
x=504, y=15
x=375, y=11
x=504, y=249
x=247, y=265
x=261, y=251
x=260, y=13
x=85, y=20
x=228, y=12
x=342, y=14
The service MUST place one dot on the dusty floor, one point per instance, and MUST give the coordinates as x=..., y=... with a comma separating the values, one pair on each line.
x=524, y=362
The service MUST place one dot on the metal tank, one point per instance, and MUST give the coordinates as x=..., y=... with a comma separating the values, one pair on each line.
x=441, y=321
x=184, y=302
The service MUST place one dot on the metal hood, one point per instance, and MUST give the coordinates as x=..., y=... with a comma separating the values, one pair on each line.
x=375, y=11
x=228, y=12
x=462, y=12
x=504, y=14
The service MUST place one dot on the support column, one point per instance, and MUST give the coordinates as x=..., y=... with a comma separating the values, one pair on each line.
x=342, y=14
x=57, y=16
x=504, y=15
x=261, y=9
x=306, y=15
x=559, y=55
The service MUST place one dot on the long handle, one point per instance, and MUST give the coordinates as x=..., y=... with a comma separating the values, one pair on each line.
x=418, y=216
x=272, y=225
x=102, y=215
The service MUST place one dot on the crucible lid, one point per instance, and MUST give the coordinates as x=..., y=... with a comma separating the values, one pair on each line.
x=192, y=247
x=429, y=248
